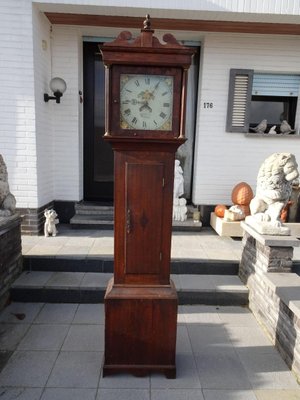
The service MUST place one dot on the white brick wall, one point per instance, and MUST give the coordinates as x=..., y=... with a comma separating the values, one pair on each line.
x=17, y=107
x=223, y=159
x=66, y=51
x=44, y=131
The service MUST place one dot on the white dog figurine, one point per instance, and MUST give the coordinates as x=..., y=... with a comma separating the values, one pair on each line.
x=51, y=221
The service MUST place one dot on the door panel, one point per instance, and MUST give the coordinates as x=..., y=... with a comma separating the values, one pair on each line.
x=98, y=154
x=144, y=218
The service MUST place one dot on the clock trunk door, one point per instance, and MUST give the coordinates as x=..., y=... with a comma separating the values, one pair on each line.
x=144, y=217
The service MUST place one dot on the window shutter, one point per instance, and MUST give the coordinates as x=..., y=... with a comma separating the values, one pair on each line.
x=239, y=98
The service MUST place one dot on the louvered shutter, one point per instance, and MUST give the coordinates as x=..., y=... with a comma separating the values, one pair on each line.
x=239, y=98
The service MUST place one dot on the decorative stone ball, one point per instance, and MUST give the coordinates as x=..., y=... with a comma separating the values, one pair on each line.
x=220, y=210
x=242, y=194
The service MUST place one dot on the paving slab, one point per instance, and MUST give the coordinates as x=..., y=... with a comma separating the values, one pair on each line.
x=122, y=394
x=124, y=381
x=76, y=369
x=56, y=314
x=11, y=335
x=278, y=394
x=84, y=338
x=20, y=312
x=221, y=368
x=177, y=394
x=267, y=370
x=68, y=394
x=20, y=393
x=229, y=395
x=44, y=337
x=186, y=375
x=28, y=369
x=89, y=314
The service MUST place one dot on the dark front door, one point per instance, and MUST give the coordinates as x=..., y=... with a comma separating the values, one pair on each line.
x=98, y=155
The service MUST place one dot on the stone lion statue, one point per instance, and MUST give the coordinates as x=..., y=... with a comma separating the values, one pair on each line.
x=7, y=200
x=274, y=187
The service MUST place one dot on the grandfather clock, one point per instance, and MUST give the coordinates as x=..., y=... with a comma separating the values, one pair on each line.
x=146, y=85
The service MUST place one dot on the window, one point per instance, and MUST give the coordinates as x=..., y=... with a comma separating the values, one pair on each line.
x=254, y=97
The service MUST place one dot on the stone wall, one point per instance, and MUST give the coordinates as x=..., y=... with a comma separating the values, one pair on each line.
x=274, y=291
x=11, y=255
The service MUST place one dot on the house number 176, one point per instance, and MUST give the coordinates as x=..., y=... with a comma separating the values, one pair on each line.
x=208, y=105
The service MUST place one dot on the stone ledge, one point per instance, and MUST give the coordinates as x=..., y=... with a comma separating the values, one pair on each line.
x=269, y=240
x=234, y=228
x=287, y=288
x=10, y=222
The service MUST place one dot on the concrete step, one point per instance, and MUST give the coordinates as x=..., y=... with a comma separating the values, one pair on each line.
x=92, y=221
x=94, y=209
x=89, y=287
x=106, y=265
x=105, y=222
x=91, y=215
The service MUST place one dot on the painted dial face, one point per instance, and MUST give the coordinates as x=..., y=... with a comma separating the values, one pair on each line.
x=146, y=102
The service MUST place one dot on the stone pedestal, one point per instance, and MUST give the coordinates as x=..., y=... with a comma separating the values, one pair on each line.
x=263, y=253
x=11, y=254
x=265, y=268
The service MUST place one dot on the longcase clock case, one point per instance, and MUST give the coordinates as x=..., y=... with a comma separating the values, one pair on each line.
x=141, y=300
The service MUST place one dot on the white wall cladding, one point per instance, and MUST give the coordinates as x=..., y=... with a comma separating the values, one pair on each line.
x=44, y=134
x=281, y=7
x=223, y=159
x=17, y=107
x=66, y=63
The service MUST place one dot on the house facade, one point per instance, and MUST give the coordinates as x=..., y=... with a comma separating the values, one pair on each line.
x=246, y=69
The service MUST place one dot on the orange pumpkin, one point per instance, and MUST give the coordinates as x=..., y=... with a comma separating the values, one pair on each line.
x=242, y=194
x=220, y=210
x=285, y=211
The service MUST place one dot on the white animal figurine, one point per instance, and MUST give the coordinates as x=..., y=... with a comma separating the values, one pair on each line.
x=272, y=130
x=51, y=221
x=285, y=128
x=182, y=210
x=261, y=127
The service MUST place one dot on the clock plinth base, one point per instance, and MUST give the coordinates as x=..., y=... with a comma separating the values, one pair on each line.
x=140, y=329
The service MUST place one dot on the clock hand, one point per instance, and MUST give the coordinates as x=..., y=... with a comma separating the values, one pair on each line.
x=145, y=105
x=155, y=87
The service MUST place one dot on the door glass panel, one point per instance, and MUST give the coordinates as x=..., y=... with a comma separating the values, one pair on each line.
x=103, y=155
x=98, y=155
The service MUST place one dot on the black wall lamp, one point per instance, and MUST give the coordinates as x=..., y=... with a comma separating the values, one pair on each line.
x=58, y=87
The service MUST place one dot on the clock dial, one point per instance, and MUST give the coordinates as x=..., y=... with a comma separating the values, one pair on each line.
x=146, y=102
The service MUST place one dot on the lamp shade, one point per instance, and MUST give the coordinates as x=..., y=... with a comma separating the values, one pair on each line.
x=58, y=85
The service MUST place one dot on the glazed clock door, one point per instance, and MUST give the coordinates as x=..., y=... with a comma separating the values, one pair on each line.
x=146, y=102
x=144, y=217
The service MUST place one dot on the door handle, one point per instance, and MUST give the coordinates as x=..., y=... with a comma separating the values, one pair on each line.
x=128, y=221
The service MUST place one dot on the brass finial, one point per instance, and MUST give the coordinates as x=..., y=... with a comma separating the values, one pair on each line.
x=147, y=23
